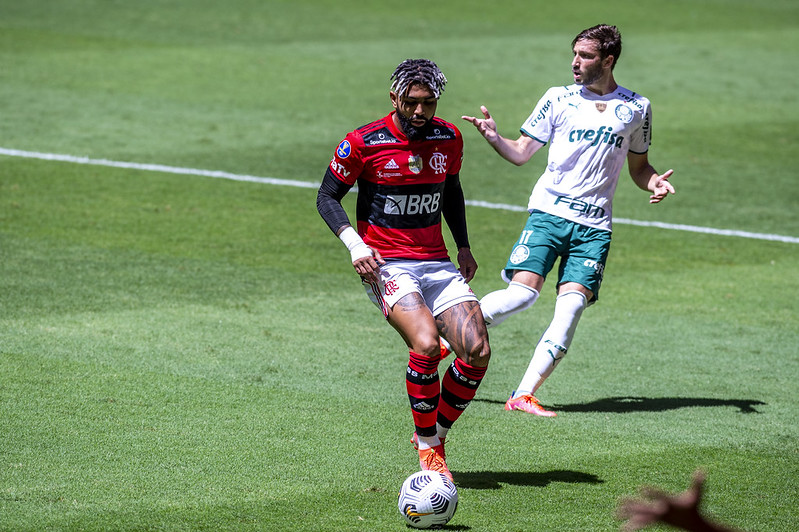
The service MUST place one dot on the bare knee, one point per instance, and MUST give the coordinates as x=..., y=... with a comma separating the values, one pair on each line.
x=478, y=352
x=428, y=346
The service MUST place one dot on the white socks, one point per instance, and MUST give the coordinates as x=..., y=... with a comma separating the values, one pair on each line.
x=554, y=343
x=501, y=304
x=426, y=442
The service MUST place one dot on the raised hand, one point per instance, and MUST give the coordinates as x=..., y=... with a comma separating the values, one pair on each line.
x=486, y=126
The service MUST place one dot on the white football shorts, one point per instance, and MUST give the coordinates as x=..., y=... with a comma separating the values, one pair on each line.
x=439, y=282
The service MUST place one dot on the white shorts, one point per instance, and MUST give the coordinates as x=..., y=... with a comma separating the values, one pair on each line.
x=440, y=284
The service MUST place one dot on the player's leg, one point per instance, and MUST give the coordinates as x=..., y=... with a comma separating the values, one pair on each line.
x=413, y=320
x=411, y=317
x=460, y=321
x=580, y=277
x=398, y=294
x=499, y=305
x=555, y=341
x=463, y=324
x=531, y=258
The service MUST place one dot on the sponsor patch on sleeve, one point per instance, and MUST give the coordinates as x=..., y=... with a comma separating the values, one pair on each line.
x=344, y=149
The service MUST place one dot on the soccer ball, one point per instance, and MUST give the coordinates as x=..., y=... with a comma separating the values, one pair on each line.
x=427, y=499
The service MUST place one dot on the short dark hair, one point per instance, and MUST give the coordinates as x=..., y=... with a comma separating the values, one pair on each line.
x=608, y=37
x=418, y=71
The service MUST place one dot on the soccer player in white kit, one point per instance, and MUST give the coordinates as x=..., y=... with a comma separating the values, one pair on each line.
x=592, y=126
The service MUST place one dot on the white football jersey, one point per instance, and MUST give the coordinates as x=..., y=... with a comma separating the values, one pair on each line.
x=589, y=137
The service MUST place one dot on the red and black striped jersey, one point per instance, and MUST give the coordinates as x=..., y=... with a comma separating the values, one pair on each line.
x=400, y=185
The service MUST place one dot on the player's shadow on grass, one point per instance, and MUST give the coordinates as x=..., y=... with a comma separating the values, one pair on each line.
x=623, y=405
x=492, y=480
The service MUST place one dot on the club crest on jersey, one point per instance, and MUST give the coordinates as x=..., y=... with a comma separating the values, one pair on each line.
x=438, y=162
x=519, y=254
x=415, y=164
x=624, y=113
x=344, y=149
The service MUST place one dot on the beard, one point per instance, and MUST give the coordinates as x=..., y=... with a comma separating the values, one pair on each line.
x=591, y=76
x=414, y=132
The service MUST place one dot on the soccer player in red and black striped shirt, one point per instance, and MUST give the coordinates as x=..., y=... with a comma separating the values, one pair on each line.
x=407, y=166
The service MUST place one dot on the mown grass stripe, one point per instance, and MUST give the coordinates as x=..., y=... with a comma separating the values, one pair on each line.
x=307, y=184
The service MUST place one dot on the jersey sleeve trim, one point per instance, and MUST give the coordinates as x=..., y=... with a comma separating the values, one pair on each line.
x=526, y=134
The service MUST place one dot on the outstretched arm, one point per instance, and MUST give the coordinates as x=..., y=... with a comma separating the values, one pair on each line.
x=647, y=178
x=517, y=151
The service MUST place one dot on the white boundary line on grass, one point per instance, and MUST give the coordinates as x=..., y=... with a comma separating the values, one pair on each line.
x=661, y=225
x=306, y=184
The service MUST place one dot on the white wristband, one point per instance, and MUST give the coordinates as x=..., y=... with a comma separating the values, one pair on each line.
x=355, y=244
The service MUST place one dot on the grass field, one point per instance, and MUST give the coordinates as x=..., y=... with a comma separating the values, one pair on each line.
x=187, y=353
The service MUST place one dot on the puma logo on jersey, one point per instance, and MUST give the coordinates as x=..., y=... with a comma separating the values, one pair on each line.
x=402, y=204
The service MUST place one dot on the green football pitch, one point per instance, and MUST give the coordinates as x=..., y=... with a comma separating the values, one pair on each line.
x=184, y=344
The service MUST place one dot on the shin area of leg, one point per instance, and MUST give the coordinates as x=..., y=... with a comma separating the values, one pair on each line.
x=555, y=342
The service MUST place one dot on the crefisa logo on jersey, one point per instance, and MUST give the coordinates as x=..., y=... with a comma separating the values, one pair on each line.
x=624, y=113
x=415, y=163
x=344, y=149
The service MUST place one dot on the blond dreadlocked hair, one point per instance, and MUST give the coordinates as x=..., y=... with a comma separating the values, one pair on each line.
x=418, y=71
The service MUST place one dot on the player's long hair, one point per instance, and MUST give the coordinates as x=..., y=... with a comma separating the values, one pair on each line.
x=608, y=37
x=418, y=71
